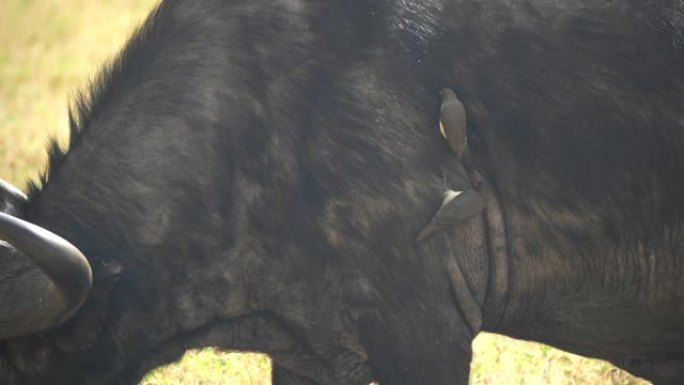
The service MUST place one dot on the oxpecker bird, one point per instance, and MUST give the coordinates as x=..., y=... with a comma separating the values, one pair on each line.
x=457, y=207
x=452, y=122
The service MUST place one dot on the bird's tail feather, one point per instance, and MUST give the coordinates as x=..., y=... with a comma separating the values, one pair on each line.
x=426, y=233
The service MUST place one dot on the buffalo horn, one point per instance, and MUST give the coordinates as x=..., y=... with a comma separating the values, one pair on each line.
x=11, y=198
x=67, y=270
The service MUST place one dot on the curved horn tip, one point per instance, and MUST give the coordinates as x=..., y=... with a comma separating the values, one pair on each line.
x=12, y=190
x=65, y=265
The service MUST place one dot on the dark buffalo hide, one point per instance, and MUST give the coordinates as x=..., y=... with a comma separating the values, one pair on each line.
x=252, y=175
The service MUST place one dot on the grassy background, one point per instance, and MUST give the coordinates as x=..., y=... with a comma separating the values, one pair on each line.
x=48, y=48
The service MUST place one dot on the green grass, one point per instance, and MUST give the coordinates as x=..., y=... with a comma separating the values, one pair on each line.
x=48, y=48
x=212, y=367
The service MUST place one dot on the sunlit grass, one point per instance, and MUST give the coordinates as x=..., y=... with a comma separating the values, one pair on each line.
x=501, y=360
x=48, y=48
x=212, y=367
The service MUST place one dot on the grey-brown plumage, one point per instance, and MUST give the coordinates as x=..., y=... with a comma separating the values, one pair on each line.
x=452, y=122
x=458, y=206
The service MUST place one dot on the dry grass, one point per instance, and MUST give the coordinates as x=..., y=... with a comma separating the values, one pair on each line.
x=208, y=367
x=502, y=360
x=50, y=47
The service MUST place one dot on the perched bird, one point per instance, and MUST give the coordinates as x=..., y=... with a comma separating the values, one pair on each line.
x=457, y=207
x=452, y=122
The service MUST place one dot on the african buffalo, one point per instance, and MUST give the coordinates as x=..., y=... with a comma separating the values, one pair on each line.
x=252, y=175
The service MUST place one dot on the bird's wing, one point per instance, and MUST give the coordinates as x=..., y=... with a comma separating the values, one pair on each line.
x=453, y=114
x=459, y=209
